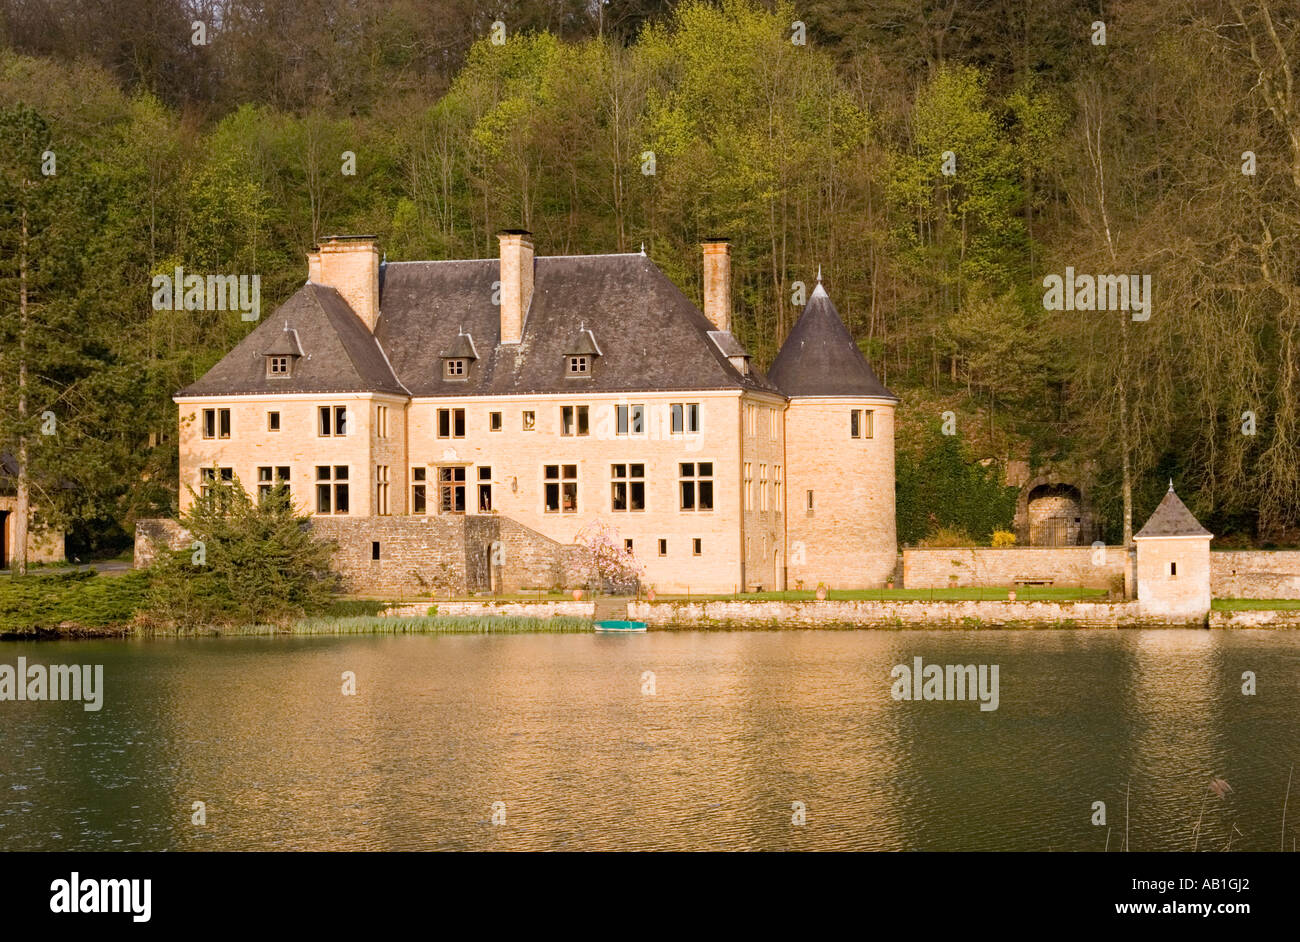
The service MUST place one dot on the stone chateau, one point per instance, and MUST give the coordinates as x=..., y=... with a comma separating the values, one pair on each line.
x=457, y=424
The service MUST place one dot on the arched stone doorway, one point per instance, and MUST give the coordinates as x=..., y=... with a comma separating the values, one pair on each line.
x=1054, y=511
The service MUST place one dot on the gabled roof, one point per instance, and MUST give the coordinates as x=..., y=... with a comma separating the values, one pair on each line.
x=727, y=343
x=1172, y=518
x=286, y=344
x=652, y=337
x=340, y=354
x=584, y=345
x=819, y=357
x=462, y=348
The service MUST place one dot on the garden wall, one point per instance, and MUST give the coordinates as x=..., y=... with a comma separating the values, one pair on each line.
x=1255, y=574
x=985, y=566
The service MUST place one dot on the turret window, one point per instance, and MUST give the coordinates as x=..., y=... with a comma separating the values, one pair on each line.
x=862, y=423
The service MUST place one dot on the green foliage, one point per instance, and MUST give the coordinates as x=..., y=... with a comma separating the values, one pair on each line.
x=255, y=562
x=79, y=597
x=945, y=488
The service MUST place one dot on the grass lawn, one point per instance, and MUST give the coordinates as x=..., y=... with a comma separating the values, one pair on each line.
x=1033, y=593
x=1242, y=605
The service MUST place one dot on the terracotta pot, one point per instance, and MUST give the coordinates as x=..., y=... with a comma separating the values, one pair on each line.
x=577, y=595
x=1011, y=595
x=821, y=593
x=650, y=596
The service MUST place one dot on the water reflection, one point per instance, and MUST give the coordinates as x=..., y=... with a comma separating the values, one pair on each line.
x=740, y=726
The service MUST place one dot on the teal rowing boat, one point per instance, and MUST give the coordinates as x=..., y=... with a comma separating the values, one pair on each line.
x=620, y=626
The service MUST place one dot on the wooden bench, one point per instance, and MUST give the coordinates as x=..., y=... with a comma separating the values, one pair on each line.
x=1023, y=582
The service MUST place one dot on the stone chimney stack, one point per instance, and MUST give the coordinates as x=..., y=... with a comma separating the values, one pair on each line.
x=717, y=282
x=516, y=281
x=350, y=265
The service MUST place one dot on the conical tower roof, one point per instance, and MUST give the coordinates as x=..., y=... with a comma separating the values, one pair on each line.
x=819, y=357
x=1172, y=518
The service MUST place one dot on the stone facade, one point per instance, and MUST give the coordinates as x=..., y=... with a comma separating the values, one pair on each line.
x=44, y=544
x=841, y=523
x=1255, y=574
x=1173, y=575
x=984, y=566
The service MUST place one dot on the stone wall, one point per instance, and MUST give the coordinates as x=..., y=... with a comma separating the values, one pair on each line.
x=514, y=609
x=418, y=555
x=1255, y=574
x=44, y=544
x=1264, y=618
x=984, y=566
x=906, y=614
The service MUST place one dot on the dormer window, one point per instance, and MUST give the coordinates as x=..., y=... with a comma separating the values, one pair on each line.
x=457, y=358
x=283, y=353
x=581, y=355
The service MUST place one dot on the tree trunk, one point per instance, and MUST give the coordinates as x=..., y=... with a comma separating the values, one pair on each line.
x=22, y=508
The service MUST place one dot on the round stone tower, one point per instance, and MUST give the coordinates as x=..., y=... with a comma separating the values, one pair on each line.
x=839, y=451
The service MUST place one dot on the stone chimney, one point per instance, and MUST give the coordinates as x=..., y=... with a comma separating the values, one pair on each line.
x=717, y=282
x=350, y=265
x=516, y=281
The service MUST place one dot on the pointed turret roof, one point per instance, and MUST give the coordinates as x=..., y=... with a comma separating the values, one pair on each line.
x=1172, y=518
x=819, y=357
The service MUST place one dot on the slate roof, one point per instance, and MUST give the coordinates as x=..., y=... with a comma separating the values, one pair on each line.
x=1172, y=518
x=462, y=348
x=339, y=353
x=286, y=344
x=819, y=357
x=650, y=336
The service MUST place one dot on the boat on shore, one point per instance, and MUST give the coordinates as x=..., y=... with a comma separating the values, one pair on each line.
x=616, y=626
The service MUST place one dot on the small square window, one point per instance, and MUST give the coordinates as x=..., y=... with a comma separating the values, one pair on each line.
x=277, y=366
x=494, y=421
x=273, y=421
x=579, y=366
x=453, y=369
x=530, y=421
x=697, y=546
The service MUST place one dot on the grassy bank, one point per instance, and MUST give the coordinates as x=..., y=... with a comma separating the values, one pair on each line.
x=75, y=602
x=1254, y=605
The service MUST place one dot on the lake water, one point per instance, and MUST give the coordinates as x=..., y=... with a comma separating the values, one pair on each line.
x=563, y=730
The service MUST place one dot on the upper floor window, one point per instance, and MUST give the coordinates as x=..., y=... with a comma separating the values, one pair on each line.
x=629, y=420
x=332, y=421
x=451, y=423
x=494, y=421
x=561, y=488
x=580, y=365
x=530, y=420
x=573, y=420
x=751, y=419
x=861, y=423
x=381, y=421
x=774, y=424
x=273, y=421
x=627, y=486
x=453, y=369
x=278, y=366
x=216, y=423
x=685, y=417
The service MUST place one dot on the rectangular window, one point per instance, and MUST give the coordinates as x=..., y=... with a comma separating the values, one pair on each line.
x=627, y=486
x=418, y=495
x=381, y=490
x=810, y=502
x=776, y=487
x=273, y=421
x=216, y=423
x=762, y=488
x=530, y=421
x=277, y=366
x=663, y=547
x=484, y=490
x=494, y=421
x=751, y=419
x=579, y=366
x=451, y=423
x=381, y=421
x=629, y=420
x=774, y=424
x=269, y=477
x=685, y=417
x=561, y=487
x=573, y=420
x=696, y=485
x=1173, y=569
x=453, y=369
x=374, y=549
x=207, y=476
x=627, y=545
x=451, y=490
x=332, y=421
x=861, y=422
x=697, y=546
x=749, y=486
x=331, y=489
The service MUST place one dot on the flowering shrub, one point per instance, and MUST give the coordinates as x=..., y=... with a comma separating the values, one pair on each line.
x=608, y=564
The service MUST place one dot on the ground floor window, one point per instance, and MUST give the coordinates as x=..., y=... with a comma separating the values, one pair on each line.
x=419, y=503
x=207, y=476
x=484, y=490
x=269, y=477
x=696, y=485
x=561, y=486
x=331, y=489
x=451, y=490
x=627, y=486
